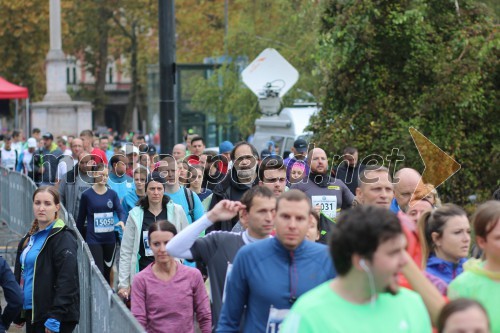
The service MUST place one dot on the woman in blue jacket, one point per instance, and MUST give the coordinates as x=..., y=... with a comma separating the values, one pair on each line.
x=47, y=270
x=445, y=240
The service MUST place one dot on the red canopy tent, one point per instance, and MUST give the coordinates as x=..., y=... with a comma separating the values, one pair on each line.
x=11, y=91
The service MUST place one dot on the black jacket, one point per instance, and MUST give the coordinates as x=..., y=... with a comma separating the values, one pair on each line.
x=231, y=190
x=56, y=287
x=13, y=295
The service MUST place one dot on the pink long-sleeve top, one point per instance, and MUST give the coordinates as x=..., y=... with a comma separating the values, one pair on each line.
x=169, y=306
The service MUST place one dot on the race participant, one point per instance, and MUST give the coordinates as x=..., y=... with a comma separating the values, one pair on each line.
x=62, y=144
x=348, y=171
x=68, y=162
x=104, y=146
x=133, y=195
x=242, y=177
x=97, y=206
x=225, y=148
x=17, y=141
x=75, y=182
x=267, y=277
x=406, y=181
x=45, y=161
x=46, y=269
x=183, y=167
x=179, y=151
x=376, y=189
x=9, y=157
x=135, y=253
x=195, y=180
x=314, y=231
x=118, y=180
x=480, y=280
x=299, y=157
x=272, y=174
x=211, y=165
x=187, y=298
x=445, y=241
x=365, y=296
x=332, y=194
x=463, y=316
x=417, y=207
x=218, y=249
x=297, y=173
x=13, y=296
x=25, y=164
x=179, y=194
x=197, y=148
x=97, y=154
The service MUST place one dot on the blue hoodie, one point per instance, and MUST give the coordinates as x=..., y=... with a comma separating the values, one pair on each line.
x=445, y=270
x=266, y=274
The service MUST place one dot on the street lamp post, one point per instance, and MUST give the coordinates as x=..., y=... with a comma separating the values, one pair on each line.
x=166, y=31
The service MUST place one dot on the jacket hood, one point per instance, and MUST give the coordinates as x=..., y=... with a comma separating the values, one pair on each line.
x=476, y=266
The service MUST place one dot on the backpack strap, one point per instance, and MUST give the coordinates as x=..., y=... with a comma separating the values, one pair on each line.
x=190, y=200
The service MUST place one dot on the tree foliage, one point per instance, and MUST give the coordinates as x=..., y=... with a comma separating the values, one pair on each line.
x=394, y=64
x=291, y=27
x=24, y=43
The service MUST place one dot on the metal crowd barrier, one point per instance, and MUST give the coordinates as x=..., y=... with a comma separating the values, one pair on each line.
x=101, y=310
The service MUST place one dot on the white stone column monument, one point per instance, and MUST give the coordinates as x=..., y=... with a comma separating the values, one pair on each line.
x=57, y=113
x=56, y=60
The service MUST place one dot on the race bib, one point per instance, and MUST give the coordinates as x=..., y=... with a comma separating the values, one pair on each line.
x=229, y=269
x=147, y=248
x=276, y=317
x=104, y=222
x=328, y=204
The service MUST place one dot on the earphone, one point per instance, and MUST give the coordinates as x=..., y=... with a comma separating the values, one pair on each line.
x=364, y=266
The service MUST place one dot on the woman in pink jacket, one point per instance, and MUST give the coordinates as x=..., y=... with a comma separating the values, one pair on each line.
x=166, y=295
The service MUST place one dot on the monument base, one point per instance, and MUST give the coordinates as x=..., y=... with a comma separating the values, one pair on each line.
x=61, y=118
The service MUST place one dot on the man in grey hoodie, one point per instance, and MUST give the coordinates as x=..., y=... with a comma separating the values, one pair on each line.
x=76, y=181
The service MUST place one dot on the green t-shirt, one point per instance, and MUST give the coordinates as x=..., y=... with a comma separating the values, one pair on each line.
x=482, y=289
x=322, y=310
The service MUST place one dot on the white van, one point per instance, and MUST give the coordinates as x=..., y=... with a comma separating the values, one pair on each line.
x=284, y=128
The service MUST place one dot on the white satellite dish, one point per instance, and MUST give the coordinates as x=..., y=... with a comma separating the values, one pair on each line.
x=270, y=71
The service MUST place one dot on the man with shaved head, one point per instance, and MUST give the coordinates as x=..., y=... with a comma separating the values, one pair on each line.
x=330, y=195
x=405, y=182
x=179, y=151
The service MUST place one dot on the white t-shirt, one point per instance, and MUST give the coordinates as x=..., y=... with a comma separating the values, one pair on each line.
x=9, y=158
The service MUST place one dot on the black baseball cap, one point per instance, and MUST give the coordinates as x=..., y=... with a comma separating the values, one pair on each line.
x=48, y=135
x=300, y=145
x=152, y=150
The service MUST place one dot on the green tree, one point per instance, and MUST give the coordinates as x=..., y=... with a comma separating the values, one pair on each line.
x=394, y=64
x=88, y=35
x=291, y=27
x=24, y=43
x=134, y=39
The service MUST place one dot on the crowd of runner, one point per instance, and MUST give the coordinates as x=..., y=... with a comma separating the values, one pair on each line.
x=231, y=240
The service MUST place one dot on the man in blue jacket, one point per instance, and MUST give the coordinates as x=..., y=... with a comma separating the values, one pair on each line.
x=13, y=296
x=268, y=276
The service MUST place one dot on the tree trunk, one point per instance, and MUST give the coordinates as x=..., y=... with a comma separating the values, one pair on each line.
x=102, y=64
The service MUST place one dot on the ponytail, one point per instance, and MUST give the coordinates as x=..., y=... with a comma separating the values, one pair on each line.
x=425, y=237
